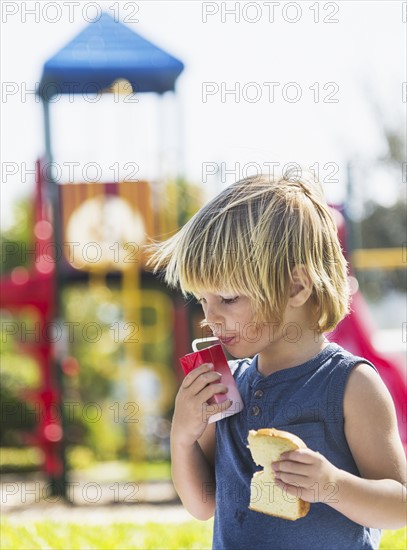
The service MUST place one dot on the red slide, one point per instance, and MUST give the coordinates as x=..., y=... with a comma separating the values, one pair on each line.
x=355, y=333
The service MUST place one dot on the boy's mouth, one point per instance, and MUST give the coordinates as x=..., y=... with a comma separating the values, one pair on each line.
x=227, y=340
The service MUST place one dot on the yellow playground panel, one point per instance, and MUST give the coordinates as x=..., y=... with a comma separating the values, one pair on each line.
x=104, y=226
x=380, y=258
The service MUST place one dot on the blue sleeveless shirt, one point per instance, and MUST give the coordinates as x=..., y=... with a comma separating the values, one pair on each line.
x=307, y=401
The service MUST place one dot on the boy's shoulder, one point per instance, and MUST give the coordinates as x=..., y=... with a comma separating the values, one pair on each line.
x=348, y=358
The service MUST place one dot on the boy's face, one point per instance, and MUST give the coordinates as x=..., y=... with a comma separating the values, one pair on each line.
x=230, y=317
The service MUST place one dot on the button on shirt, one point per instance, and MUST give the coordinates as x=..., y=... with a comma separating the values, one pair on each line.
x=255, y=410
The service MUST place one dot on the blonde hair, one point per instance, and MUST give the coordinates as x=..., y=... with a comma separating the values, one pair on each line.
x=248, y=239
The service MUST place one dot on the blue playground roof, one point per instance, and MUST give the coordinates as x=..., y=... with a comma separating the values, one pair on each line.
x=107, y=50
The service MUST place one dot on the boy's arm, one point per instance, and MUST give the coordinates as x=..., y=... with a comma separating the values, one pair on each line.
x=378, y=499
x=193, y=473
x=193, y=440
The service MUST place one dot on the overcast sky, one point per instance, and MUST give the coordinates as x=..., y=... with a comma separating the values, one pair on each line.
x=328, y=64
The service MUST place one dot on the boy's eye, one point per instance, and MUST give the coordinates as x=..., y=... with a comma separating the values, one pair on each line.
x=227, y=301
x=230, y=300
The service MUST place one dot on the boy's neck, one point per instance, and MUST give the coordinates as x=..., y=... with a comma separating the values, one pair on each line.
x=284, y=355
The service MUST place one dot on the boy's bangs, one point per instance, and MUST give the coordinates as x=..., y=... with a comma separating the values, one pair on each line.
x=215, y=267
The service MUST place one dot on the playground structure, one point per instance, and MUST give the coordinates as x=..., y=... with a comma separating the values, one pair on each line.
x=74, y=219
x=78, y=212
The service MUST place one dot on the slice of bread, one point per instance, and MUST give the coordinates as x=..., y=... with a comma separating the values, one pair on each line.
x=266, y=445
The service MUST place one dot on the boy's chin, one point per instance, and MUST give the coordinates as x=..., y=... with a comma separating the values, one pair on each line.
x=237, y=354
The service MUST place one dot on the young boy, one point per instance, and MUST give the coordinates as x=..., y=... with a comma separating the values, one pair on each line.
x=264, y=261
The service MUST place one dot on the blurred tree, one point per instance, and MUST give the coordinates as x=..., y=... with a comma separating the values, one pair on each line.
x=14, y=237
x=17, y=418
x=385, y=226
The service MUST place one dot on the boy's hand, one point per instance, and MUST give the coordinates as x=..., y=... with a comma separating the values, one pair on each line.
x=307, y=474
x=191, y=414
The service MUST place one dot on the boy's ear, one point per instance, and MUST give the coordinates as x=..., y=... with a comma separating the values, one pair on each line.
x=301, y=286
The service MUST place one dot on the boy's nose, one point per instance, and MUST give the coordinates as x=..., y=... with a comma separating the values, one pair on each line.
x=214, y=320
x=211, y=313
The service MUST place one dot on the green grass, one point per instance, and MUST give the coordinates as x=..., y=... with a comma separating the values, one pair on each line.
x=123, y=536
x=126, y=536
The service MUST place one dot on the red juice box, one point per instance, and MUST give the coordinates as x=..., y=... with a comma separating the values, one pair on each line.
x=214, y=354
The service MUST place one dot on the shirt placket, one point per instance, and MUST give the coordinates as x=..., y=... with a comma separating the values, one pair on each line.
x=258, y=407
